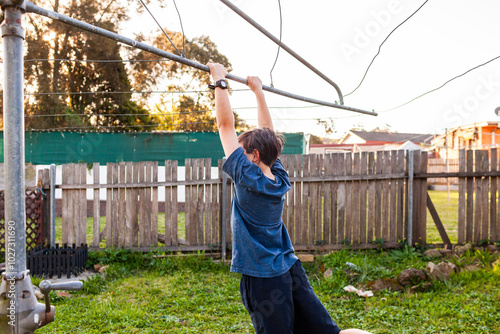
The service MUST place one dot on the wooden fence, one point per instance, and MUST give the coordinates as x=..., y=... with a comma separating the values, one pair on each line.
x=352, y=199
x=479, y=208
x=439, y=165
x=360, y=199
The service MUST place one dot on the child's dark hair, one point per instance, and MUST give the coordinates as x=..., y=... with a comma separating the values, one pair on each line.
x=266, y=141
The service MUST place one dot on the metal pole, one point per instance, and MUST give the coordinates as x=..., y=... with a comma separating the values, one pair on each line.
x=20, y=313
x=224, y=201
x=283, y=46
x=410, y=199
x=30, y=7
x=13, y=110
x=53, y=205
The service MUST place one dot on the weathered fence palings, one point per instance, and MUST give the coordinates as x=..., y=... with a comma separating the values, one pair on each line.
x=332, y=201
x=349, y=198
x=478, y=212
x=335, y=199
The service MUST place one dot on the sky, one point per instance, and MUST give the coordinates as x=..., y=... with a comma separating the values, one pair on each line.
x=340, y=38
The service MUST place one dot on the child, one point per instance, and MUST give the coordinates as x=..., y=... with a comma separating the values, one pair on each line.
x=274, y=286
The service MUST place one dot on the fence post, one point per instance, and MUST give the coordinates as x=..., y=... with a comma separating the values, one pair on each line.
x=44, y=185
x=224, y=200
x=52, y=198
x=410, y=199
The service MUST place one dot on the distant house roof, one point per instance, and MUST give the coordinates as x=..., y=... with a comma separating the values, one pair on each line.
x=385, y=137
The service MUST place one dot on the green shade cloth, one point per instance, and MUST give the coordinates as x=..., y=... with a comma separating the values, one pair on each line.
x=44, y=148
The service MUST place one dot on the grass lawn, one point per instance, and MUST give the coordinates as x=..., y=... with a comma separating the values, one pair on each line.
x=196, y=295
x=102, y=223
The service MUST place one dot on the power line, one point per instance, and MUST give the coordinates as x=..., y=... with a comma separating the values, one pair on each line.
x=94, y=60
x=180, y=53
x=119, y=115
x=380, y=46
x=31, y=8
x=97, y=127
x=133, y=92
x=437, y=88
x=279, y=45
x=163, y=114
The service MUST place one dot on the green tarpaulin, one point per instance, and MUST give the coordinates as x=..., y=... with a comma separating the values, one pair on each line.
x=43, y=148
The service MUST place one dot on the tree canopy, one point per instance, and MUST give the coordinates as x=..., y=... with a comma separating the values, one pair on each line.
x=78, y=80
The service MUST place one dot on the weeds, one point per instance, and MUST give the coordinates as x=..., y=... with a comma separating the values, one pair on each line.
x=485, y=258
x=405, y=254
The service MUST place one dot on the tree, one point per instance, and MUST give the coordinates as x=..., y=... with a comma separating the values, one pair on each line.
x=385, y=128
x=78, y=80
x=193, y=111
x=328, y=125
x=315, y=140
x=61, y=89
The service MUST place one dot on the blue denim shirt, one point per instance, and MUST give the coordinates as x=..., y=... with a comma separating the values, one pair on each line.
x=261, y=245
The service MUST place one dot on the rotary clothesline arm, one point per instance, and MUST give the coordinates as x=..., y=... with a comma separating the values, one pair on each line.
x=32, y=8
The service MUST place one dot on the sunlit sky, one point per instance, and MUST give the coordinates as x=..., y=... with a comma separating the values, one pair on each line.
x=340, y=38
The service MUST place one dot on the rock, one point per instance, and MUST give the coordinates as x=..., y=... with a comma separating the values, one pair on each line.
x=390, y=284
x=433, y=253
x=328, y=273
x=447, y=267
x=421, y=287
x=434, y=273
x=306, y=257
x=440, y=271
x=64, y=294
x=411, y=276
x=103, y=269
x=446, y=253
x=492, y=249
x=460, y=250
x=472, y=267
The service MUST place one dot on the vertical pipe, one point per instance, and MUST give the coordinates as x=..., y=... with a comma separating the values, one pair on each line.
x=13, y=110
x=52, y=205
x=410, y=199
x=224, y=201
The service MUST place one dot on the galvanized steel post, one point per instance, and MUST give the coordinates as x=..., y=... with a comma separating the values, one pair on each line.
x=13, y=110
x=52, y=205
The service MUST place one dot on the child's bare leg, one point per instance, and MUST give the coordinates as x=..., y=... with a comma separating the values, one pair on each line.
x=353, y=331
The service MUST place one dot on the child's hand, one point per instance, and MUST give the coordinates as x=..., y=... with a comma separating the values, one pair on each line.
x=255, y=84
x=217, y=71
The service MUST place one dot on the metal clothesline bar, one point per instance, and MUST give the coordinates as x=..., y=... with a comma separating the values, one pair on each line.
x=32, y=8
x=283, y=46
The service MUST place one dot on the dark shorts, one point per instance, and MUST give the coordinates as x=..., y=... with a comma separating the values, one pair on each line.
x=285, y=304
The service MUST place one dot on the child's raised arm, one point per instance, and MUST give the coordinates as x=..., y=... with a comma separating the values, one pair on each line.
x=264, y=117
x=223, y=112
